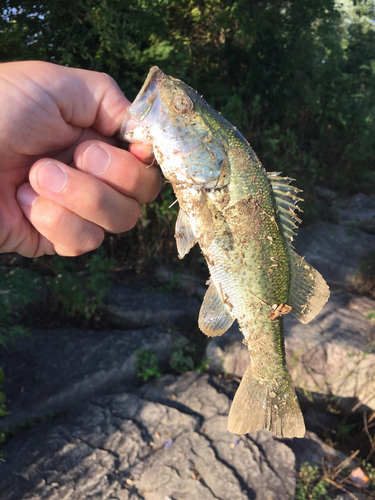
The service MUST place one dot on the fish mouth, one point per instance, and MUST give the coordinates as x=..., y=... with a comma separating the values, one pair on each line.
x=154, y=77
x=142, y=104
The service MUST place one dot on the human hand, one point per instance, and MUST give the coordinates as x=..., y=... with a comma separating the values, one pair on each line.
x=63, y=180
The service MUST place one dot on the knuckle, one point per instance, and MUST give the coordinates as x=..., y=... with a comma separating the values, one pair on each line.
x=133, y=179
x=131, y=217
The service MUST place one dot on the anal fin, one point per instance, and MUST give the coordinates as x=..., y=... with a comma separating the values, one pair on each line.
x=214, y=317
x=185, y=238
x=258, y=405
x=308, y=289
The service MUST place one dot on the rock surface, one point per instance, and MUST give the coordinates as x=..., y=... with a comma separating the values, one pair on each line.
x=54, y=369
x=135, y=306
x=131, y=446
x=333, y=354
x=336, y=251
x=107, y=438
x=357, y=211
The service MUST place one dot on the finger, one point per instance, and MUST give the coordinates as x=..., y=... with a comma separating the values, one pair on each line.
x=65, y=101
x=143, y=152
x=84, y=195
x=119, y=169
x=61, y=230
x=88, y=134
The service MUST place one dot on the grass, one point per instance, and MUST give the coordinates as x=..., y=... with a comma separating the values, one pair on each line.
x=310, y=484
x=325, y=482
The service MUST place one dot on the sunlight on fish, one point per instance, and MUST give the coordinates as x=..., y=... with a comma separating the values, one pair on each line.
x=244, y=221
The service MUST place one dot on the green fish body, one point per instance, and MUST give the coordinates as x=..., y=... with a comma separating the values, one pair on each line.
x=243, y=219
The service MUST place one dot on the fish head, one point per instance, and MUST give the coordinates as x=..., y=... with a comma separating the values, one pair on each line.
x=182, y=128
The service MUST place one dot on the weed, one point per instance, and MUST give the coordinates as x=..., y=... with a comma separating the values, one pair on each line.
x=174, y=285
x=370, y=471
x=147, y=366
x=310, y=484
x=19, y=288
x=182, y=359
x=80, y=294
x=185, y=358
x=344, y=429
x=203, y=367
x=3, y=398
x=371, y=316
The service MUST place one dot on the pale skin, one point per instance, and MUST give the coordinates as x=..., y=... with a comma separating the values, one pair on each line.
x=64, y=178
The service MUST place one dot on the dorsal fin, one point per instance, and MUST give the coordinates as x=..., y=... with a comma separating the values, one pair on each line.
x=185, y=238
x=214, y=317
x=308, y=290
x=287, y=202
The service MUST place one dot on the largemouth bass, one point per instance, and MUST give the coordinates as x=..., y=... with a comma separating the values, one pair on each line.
x=244, y=220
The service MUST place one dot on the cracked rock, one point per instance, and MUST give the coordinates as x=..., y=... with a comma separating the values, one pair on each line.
x=129, y=446
x=52, y=370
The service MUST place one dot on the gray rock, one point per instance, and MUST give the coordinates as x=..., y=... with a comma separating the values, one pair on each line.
x=134, y=306
x=125, y=447
x=333, y=354
x=325, y=194
x=357, y=210
x=54, y=369
x=189, y=284
x=314, y=451
x=335, y=251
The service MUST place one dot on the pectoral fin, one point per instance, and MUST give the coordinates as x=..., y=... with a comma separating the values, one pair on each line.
x=308, y=289
x=214, y=317
x=185, y=238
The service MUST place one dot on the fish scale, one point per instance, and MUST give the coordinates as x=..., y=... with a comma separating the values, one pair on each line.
x=244, y=220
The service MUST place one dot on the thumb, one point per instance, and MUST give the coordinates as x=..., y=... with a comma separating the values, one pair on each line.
x=78, y=97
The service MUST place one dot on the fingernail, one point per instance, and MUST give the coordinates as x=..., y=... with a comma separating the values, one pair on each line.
x=26, y=195
x=96, y=160
x=52, y=177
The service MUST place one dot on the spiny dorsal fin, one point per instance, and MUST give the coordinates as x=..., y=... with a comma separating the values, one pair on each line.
x=185, y=238
x=214, y=317
x=308, y=289
x=287, y=202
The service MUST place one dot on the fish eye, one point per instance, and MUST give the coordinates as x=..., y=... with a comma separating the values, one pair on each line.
x=182, y=103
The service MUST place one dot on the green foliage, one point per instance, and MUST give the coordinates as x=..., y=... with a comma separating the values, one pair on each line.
x=297, y=78
x=172, y=286
x=344, y=429
x=371, y=316
x=370, y=471
x=147, y=365
x=3, y=398
x=18, y=289
x=185, y=358
x=80, y=293
x=182, y=359
x=310, y=484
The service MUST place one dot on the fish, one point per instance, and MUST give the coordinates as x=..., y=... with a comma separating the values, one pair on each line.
x=244, y=220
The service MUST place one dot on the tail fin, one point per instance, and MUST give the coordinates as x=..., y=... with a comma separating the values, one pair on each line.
x=275, y=408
